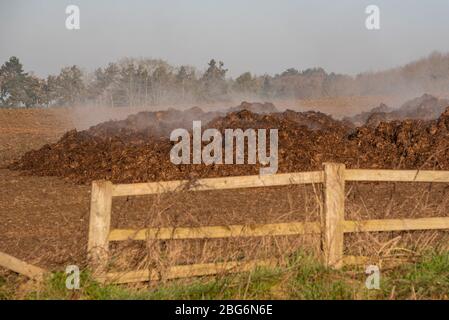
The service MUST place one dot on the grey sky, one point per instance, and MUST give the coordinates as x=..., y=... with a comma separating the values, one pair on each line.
x=248, y=35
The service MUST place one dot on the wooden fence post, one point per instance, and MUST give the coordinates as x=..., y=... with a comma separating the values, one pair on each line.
x=334, y=213
x=99, y=226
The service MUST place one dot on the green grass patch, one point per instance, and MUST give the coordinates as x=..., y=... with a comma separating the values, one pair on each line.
x=303, y=277
x=427, y=279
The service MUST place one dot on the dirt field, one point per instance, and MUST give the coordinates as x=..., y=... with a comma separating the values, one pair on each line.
x=44, y=220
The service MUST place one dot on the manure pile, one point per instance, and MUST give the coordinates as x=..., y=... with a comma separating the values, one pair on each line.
x=426, y=107
x=137, y=149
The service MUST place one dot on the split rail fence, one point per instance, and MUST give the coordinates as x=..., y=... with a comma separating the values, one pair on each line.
x=332, y=230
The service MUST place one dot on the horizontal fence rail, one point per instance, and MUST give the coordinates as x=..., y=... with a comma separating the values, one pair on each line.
x=396, y=225
x=186, y=271
x=396, y=175
x=213, y=232
x=332, y=229
x=283, y=179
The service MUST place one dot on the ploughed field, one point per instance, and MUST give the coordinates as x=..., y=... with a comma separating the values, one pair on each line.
x=45, y=179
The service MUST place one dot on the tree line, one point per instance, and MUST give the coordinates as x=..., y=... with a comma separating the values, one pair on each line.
x=152, y=82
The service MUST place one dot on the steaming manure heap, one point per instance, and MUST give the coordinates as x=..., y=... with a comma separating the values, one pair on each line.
x=137, y=149
x=426, y=107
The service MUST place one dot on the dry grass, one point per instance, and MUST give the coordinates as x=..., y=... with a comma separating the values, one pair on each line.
x=272, y=205
x=182, y=209
x=300, y=275
x=396, y=200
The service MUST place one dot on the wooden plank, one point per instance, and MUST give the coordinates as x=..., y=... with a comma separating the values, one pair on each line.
x=137, y=189
x=396, y=224
x=334, y=211
x=21, y=267
x=99, y=225
x=383, y=261
x=186, y=271
x=397, y=175
x=277, y=229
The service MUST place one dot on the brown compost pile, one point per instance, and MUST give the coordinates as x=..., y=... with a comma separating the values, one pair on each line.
x=137, y=149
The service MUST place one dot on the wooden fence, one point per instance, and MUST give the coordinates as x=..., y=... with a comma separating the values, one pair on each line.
x=332, y=231
x=21, y=267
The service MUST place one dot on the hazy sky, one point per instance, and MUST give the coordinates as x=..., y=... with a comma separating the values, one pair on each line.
x=248, y=35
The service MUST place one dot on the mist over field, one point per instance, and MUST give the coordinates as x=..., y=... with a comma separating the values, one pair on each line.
x=152, y=53
x=148, y=82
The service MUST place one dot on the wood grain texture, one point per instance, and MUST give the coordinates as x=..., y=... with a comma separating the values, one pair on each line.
x=396, y=175
x=99, y=225
x=278, y=229
x=217, y=183
x=186, y=271
x=397, y=224
x=21, y=267
x=334, y=212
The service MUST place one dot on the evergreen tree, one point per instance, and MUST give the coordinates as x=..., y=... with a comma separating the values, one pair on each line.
x=12, y=83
